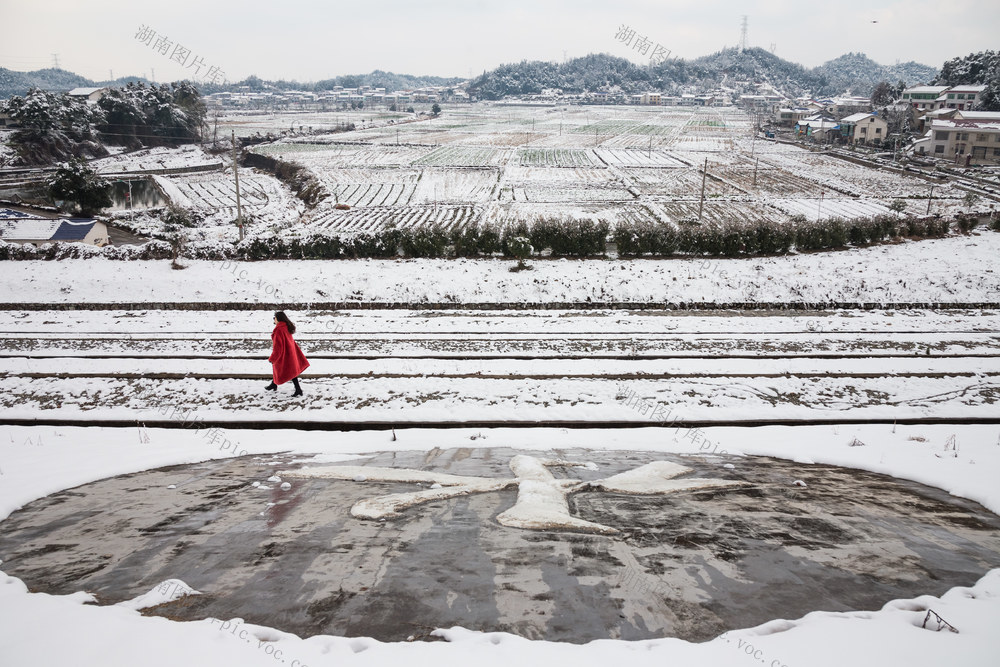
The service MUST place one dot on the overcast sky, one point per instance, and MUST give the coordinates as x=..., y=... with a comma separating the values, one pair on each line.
x=310, y=40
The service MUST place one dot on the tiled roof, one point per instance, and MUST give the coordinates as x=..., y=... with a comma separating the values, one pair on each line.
x=11, y=214
x=854, y=118
x=28, y=230
x=73, y=230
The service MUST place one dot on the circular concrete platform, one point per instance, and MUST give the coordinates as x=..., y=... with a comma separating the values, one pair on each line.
x=691, y=563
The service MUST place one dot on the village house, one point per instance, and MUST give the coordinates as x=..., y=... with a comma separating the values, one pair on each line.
x=88, y=95
x=846, y=106
x=961, y=97
x=973, y=140
x=789, y=117
x=818, y=128
x=767, y=104
x=863, y=128
x=924, y=97
x=16, y=227
x=923, y=122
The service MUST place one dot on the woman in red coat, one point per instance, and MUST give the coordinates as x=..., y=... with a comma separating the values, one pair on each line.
x=287, y=360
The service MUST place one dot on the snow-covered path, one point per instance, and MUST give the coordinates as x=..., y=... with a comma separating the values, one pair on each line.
x=515, y=366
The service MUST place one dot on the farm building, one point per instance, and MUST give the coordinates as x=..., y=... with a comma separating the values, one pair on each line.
x=89, y=95
x=863, y=128
x=19, y=227
x=817, y=129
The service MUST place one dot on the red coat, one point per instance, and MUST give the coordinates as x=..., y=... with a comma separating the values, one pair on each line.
x=286, y=358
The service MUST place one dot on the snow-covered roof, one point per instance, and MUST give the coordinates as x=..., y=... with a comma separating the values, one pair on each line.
x=977, y=115
x=858, y=117
x=820, y=124
x=941, y=112
x=967, y=89
x=926, y=89
x=39, y=229
x=967, y=125
x=28, y=230
x=73, y=230
x=11, y=214
x=83, y=92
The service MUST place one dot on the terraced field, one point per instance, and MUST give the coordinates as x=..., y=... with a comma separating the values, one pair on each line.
x=523, y=162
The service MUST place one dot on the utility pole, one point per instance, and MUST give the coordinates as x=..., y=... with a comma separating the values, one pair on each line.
x=649, y=149
x=755, y=165
x=929, y=198
x=236, y=175
x=819, y=211
x=704, y=175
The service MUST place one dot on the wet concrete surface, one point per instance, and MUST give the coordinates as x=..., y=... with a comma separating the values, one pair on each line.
x=689, y=565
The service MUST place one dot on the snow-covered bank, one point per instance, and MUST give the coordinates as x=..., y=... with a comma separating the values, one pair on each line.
x=957, y=269
x=39, y=629
x=42, y=630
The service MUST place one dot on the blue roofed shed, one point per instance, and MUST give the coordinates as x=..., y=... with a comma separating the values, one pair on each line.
x=15, y=227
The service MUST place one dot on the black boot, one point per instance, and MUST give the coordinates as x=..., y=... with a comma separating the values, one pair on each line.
x=298, y=389
x=271, y=387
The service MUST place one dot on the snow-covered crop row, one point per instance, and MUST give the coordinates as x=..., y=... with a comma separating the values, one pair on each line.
x=821, y=208
x=410, y=217
x=454, y=156
x=554, y=157
x=638, y=158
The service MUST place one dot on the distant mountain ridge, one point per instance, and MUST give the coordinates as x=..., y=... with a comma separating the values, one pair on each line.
x=857, y=74
x=51, y=79
x=852, y=73
x=58, y=80
x=740, y=70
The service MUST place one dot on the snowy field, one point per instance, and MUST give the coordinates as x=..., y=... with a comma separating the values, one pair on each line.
x=156, y=159
x=619, y=159
x=956, y=269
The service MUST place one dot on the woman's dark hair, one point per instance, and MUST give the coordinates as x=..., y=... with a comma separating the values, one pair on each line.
x=281, y=317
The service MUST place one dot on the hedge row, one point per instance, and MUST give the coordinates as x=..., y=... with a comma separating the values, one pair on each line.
x=560, y=237
x=766, y=238
x=564, y=238
x=150, y=250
